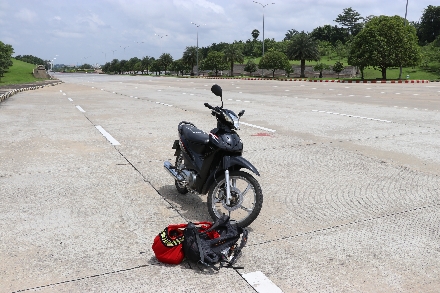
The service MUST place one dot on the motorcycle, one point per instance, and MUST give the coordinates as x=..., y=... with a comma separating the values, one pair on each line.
x=212, y=163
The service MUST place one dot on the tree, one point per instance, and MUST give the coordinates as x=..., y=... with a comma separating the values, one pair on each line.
x=350, y=19
x=250, y=67
x=255, y=33
x=288, y=69
x=233, y=54
x=303, y=47
x=131, y=64
x=6, y=52
x=146, y=63
x=215, y=61
x=122, y=66
x=156, y=67
x=290, y=33
x=179, y=66
x=165, y=60
x=341, y=50
x=429, y=26
x=338, y=67
x=330, y=34
x=385, y=42
x=190, y=57
x=114, y=66
x=274, y=60
x=321, y=67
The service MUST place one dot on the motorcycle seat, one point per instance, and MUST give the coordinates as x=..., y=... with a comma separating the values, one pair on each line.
x=194, y=134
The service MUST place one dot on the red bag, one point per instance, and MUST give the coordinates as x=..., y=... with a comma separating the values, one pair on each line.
x=167, y=246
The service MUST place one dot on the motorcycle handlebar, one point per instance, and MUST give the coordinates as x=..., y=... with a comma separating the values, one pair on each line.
x=208, y=106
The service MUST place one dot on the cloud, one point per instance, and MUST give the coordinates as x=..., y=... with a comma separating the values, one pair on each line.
x=26, y=15
x=65, y=34
x=201, y=3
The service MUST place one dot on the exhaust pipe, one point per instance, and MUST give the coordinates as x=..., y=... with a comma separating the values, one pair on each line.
x=172, y=171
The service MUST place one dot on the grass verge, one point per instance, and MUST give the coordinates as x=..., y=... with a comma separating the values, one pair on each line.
x=19, y=72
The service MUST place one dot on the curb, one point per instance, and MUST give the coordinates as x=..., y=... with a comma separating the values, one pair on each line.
x=323, y=80
x=8, y=94
x=385, y=81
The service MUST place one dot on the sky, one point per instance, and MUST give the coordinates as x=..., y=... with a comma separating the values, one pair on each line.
x=75, y=32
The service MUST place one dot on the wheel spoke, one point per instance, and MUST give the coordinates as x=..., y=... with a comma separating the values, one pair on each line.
x=246, y=190
x=246, y=209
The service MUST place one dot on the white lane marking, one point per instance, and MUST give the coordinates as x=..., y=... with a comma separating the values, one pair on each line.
x=64, y=94
x=349, y=115
x=256, y=126
x=107, y=135
x=61, y=91
x=81, y=109
x=164, y=104
x=261, y=283
x=70, y=99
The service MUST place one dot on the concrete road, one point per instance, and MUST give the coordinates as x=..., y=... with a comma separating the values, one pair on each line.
x=350, y=176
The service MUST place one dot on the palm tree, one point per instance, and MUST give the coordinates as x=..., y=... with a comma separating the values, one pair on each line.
x=303, y=47
x=190, y=57
x=166, y=60
x=255, y=33
x=233, y=53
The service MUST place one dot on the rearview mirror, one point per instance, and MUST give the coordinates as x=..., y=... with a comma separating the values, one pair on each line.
x=216, y=90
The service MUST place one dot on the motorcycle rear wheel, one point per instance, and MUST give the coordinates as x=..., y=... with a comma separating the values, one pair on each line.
x=246, y=202
x=181, y=187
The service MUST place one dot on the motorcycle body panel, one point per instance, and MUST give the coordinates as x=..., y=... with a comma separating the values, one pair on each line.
x=210, y=155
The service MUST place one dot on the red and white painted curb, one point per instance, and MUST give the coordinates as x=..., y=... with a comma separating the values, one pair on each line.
x=8, y=94
x=321, y=80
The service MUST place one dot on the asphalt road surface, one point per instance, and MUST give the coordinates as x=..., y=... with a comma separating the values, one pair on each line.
x=349, y=172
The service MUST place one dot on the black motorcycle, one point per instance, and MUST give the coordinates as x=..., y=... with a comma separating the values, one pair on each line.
x=211, y=163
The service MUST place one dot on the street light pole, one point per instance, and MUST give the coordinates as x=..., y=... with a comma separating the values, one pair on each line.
x=263, y=18
x=197, y=25
x=161, y=36
x=263, y=5
x=406, y=12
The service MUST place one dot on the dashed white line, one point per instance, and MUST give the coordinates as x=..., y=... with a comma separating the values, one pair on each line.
x=353, y=116
x=70, y=99
x=259, y=127
x=81, y=109
x=261, y=283
x=164, y=104
x=107, y=135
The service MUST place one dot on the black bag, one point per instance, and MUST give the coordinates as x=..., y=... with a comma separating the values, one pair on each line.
x=199, y=247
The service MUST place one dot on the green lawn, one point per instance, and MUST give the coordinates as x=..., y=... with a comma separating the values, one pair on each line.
x=19, y=72
x=370, y=73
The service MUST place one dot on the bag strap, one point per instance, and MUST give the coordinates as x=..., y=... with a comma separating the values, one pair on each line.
x=237, y=252
x=182, y=226
x=220, y=221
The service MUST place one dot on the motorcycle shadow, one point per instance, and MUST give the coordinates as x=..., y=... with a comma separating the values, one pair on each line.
x=191, y=206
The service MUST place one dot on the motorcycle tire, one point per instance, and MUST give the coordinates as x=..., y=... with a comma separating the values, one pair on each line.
x=181, y=188
x=244, y=207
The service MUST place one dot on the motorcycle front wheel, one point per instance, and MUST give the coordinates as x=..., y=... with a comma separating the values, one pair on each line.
x=246, y=198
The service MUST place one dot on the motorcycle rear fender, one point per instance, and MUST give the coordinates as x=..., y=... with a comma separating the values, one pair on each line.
x=230, y=163
x=176, y=146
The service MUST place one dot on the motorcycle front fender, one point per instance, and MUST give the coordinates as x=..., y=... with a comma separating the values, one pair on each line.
x=229, y=163
x=238, y=162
